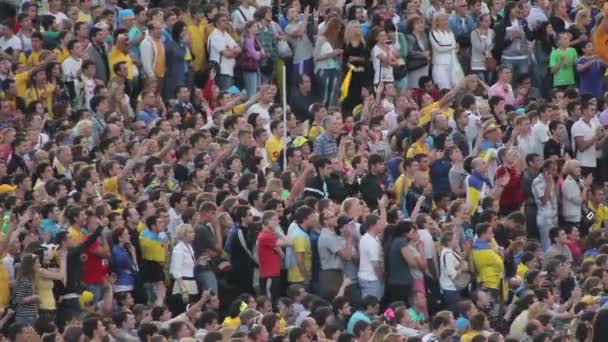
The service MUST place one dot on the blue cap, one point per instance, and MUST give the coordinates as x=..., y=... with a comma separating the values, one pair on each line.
x=234, y=90
x=125, y=13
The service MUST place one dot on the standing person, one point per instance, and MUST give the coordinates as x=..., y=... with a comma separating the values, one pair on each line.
x=559, y=16
x=419, y=50
x=356, y=58
x=482, y=43
x=327, y=53
x=298, y=259
x=207, y=244
x=153, y=254
x=512, y=196
x=574, y=191
x=152, y=52
x=561, y=62
x=589, y=68
x=371, y=259
x=533, y=165
x=540, y=130
x=383, y=59
x=251, y=58
x=270, y=255
x=463, y=24
x=297, y=34
x=242, y=256
x=177, y=56
x=399, y=280
x=450, y=264
x=124, y=261
x=488, y=261
x=447, y=72
x=335, y=249
x=182, y=270
x=223, y=50
x=587, y=134
x=545, y=196
x=96, y=51
x=26, y=296
x=511, y=43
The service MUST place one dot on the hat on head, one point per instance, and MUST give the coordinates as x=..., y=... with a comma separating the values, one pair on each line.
x=588, y=299
x=125, y=14
x=490, y=128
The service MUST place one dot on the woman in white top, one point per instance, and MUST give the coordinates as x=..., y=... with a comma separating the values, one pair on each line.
x=574, y=192
x=449, y=263
x=327, y=54
x=482, y=42
x=182, y=270
x=383, y=58
x=444, y=47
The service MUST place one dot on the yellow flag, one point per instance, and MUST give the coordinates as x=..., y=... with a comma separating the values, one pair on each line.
x=346, y=84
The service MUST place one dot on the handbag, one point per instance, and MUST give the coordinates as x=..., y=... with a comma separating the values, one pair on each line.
x=587, y=218
x=399, y=71
x=246, y=62
x=283, y=49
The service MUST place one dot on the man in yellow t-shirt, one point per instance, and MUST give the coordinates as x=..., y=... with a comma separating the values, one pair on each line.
x=596, y=204
x=77, y=219
x=300, y=263
x=120, y=53
x=197, y=27
x=405, y=180
x=275, y=143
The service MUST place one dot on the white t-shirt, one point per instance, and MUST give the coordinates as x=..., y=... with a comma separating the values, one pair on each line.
x=241, y=16
x=370, y=251
x=472, y=130
x=540, y=135
x=59, y=17
x=262, y=110
x=588, y=157
x=70, y=69
x=12, y=42
x=385, y=73
x=218, y=41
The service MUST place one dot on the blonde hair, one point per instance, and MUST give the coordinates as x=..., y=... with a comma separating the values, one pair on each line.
x=436, y=17
x=274, y=184
x=581, y=15
x=381, y=332
x=353, y=35
x=536, y=309
x=570, y=165
x=182, y=230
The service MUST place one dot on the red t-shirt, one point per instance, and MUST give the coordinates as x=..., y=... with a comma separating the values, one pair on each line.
x=270, y=259
x=95, y=268
x=512, y=195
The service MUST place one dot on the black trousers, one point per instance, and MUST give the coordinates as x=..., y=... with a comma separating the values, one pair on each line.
x=271, y=287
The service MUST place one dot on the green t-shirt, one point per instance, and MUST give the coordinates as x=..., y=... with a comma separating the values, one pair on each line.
x=565, y=75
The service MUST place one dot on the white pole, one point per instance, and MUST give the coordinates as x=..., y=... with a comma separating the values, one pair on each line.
x=284, y=93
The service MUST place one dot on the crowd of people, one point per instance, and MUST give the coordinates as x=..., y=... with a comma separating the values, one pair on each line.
x=304, y=170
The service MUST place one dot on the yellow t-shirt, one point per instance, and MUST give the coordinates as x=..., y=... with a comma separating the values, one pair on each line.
x=45, y=95
x=45, y=292
x=468, y=337
x=76, y=234
x=5, y=287
x=601, y=215
x=198, y=43
x=274, y=145
x=314, y=132
x=31, y=61
x=62, y=54
x=522, y=269
x=84, y=17
x=110, y=185
x=301, y=244
x=417, y=148
x=21, y=79
x=115, y=56
x=400, y=187
x=425, y=113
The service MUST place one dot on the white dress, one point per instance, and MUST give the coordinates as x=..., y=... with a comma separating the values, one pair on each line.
x=445, y=62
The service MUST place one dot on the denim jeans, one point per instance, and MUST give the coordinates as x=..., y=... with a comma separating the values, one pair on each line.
x=327, y=80
x=451, y=299
x=224, y=82
x=372, y=288
x=206, y=280
x=96, y=290
x=252, y=81
x=519, y=67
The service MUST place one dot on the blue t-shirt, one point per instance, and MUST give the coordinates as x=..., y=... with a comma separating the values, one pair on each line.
x=591, y=78
x=356, y=317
